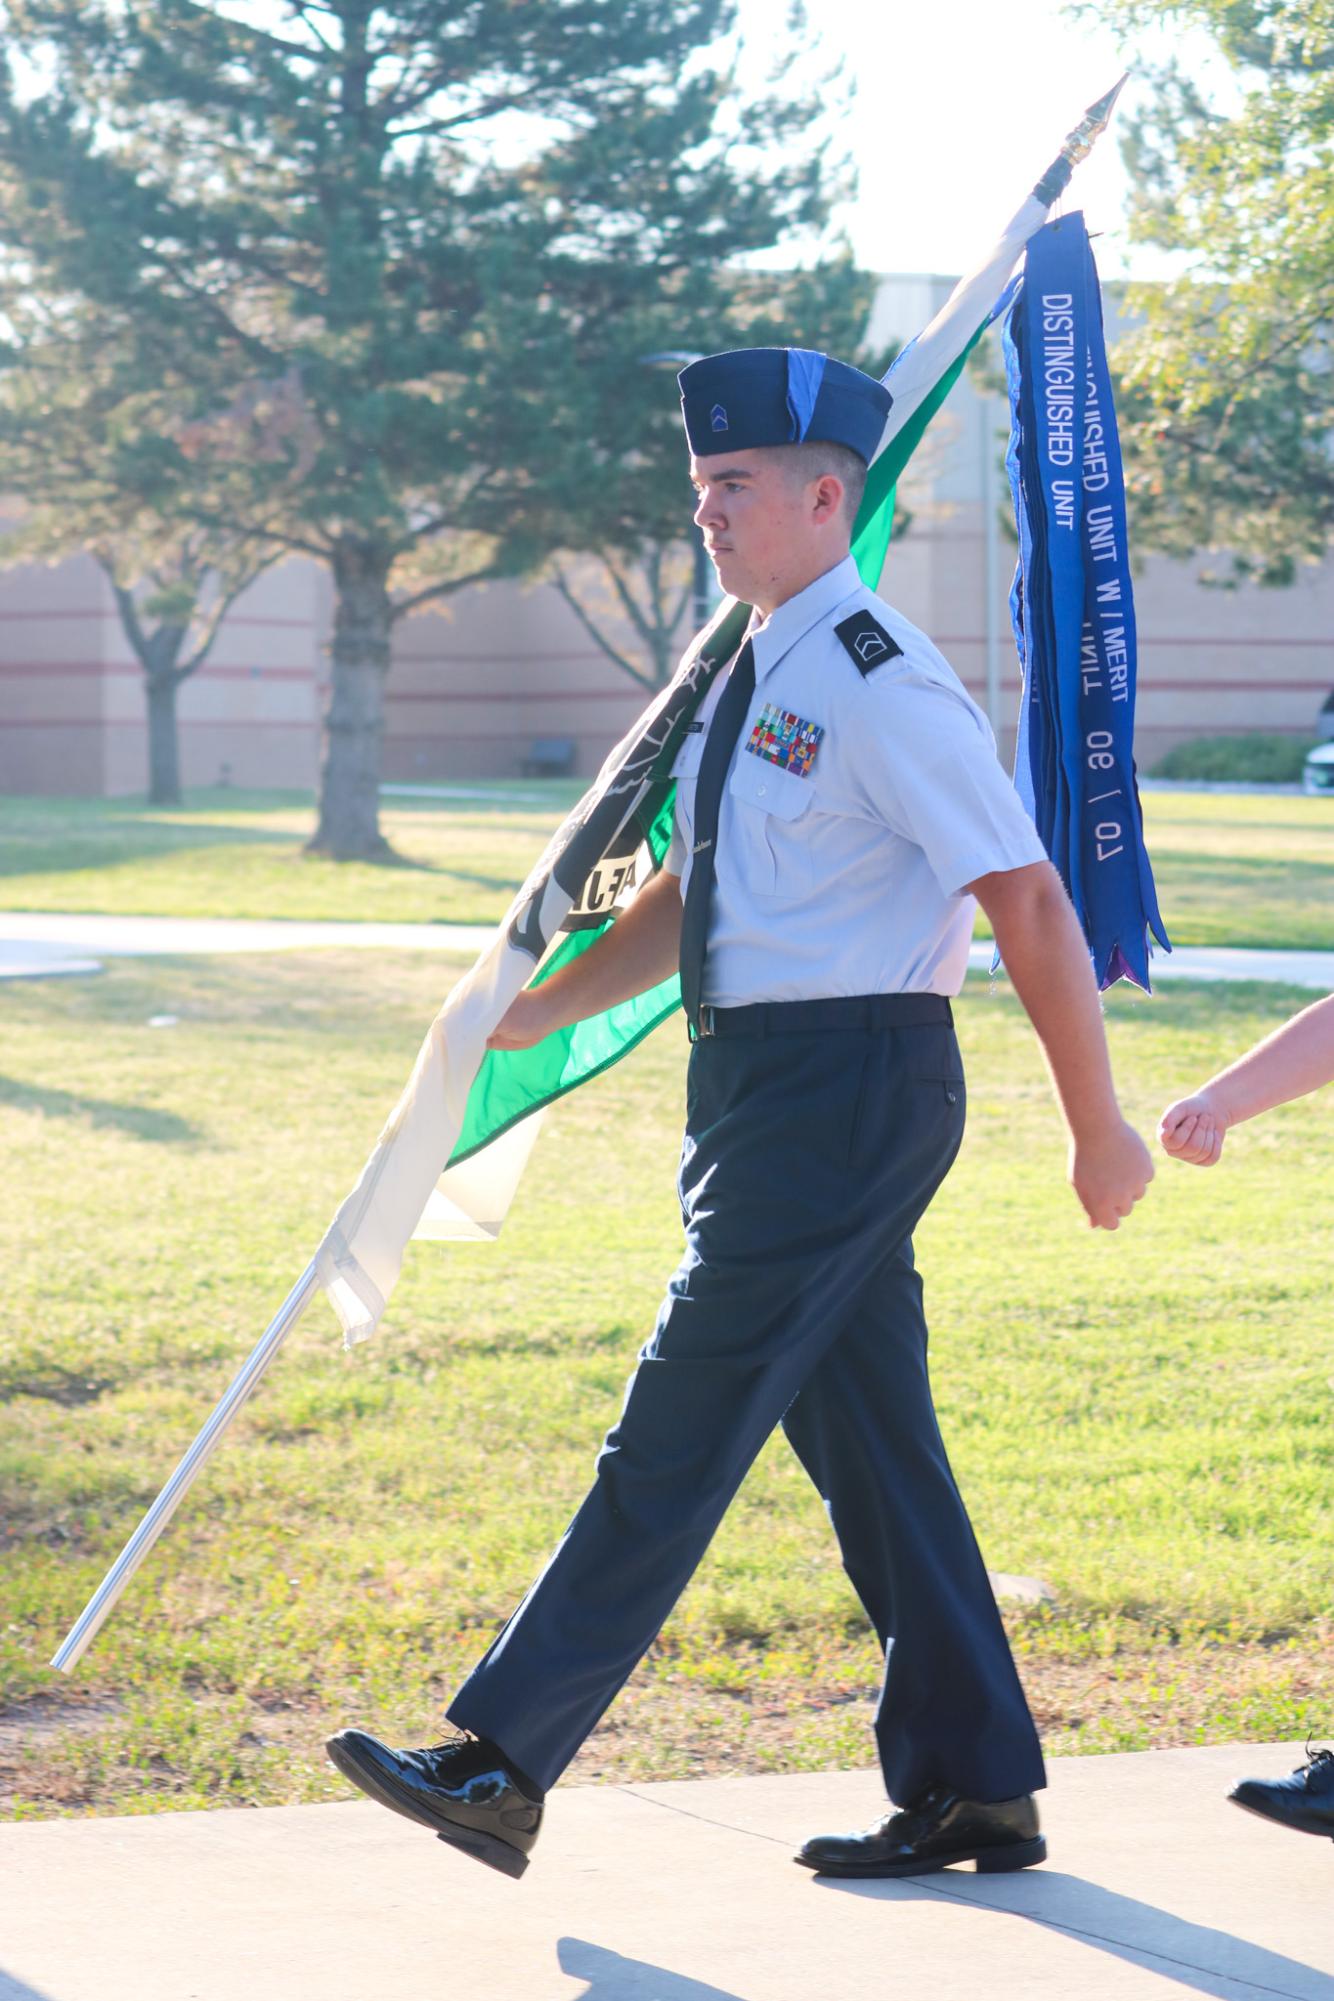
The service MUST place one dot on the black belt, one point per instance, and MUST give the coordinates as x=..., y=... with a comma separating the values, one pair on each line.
x=824, y=1017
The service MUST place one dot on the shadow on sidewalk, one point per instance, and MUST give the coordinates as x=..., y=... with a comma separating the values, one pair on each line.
x=1197, y=1956
x=612, y=1977
x=17, y=1990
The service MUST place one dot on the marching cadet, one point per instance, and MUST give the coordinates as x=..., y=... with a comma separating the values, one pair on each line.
x=839, y=808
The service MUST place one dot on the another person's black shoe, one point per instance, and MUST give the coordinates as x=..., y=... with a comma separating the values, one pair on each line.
x=1304, y=1801
x=463, y=1791
x=933, y=1831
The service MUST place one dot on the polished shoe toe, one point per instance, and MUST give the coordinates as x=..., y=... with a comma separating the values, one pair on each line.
x=935, y=1831
x=462, y=1790
x=1304, y=1801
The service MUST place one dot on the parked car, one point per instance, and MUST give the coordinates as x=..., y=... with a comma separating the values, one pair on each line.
x=1318, y=770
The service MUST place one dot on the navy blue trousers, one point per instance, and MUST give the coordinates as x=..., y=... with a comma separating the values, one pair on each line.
x=808, y=1160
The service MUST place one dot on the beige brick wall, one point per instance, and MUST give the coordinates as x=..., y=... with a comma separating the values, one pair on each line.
x=52, y=643
x=471, y=691
x=72, y=712
x=475, y=684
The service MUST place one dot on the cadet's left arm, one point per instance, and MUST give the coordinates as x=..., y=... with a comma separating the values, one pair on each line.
x=1039, y=939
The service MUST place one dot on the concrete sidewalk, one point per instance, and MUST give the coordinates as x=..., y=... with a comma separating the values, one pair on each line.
x=30, y=941
x=25, y=961
x=26, y=935
x=1156, y=1887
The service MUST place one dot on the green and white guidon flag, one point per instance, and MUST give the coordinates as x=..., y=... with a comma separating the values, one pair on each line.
x=449, y=1160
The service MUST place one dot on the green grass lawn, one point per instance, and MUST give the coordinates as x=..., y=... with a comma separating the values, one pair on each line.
x=1232, y=869
x=239, y=854
x=1141, y=1420
x=1244, y=868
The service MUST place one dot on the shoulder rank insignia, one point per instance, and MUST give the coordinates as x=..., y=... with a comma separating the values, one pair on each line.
x=867, y=641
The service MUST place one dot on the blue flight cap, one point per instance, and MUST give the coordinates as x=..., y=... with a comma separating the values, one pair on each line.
x=780, y=396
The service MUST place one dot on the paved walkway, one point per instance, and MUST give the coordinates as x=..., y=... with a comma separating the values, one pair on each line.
x=40, y=944
x=1297, y=969
x=1156, y=1888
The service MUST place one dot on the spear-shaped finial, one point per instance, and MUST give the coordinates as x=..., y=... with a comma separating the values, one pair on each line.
x=1079, y=144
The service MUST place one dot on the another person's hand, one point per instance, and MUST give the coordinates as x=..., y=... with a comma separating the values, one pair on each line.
x=525, y=1021
x=1192, y=1130
x=1109, y=1173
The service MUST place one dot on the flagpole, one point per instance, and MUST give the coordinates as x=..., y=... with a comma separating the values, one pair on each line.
x=89, y=1622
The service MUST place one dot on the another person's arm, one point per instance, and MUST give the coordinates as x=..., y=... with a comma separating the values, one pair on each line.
x=1038, y=937
x=1295, y=1059
x=640, y=950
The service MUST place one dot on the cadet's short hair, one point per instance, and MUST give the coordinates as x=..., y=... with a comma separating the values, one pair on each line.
x=805, y=462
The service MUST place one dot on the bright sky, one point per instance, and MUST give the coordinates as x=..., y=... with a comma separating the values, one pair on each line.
x=960, y=106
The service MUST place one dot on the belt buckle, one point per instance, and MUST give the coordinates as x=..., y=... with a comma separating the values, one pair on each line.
x=706, y=1022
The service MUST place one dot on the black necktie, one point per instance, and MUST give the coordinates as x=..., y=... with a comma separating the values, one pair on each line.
x=724, y=730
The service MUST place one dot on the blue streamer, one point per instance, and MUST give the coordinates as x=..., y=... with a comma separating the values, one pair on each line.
x=1072, y=604
x=805, y=373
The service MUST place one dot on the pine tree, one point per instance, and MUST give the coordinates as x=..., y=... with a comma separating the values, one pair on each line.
x=375, y=274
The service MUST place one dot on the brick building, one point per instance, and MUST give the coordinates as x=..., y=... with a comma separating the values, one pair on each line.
x=473, y=688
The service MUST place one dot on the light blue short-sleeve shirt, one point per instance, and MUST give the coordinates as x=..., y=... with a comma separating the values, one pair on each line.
x=857, y=807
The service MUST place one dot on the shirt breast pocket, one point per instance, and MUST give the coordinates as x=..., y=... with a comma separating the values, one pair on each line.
x=685, y=772
x=769, y=849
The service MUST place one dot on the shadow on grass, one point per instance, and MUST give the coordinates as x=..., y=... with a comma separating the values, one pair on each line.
x=117, y=844
x=139, y=1121
x=504, y=884
x=113, y=843
x=46, y=837
x=53, y=1383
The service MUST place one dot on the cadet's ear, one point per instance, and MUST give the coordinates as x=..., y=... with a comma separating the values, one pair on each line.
x=828, y=498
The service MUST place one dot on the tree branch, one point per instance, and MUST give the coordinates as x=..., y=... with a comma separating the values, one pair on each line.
x=250, y=343
x=304, y=13
x=687, y=592
x=628, y=602
x=129, y=611
x=260, y=532
x=402, y=606
x=264, y=36
x=490, y=108
x=213, y=624
x=627, y=667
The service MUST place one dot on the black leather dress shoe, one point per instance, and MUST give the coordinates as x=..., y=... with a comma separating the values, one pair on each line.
x=462, y=1791
x=1304, y=1801
x=933, y=1831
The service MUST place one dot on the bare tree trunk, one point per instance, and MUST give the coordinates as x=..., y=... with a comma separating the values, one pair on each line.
x=349, y=823
x=164, y=761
